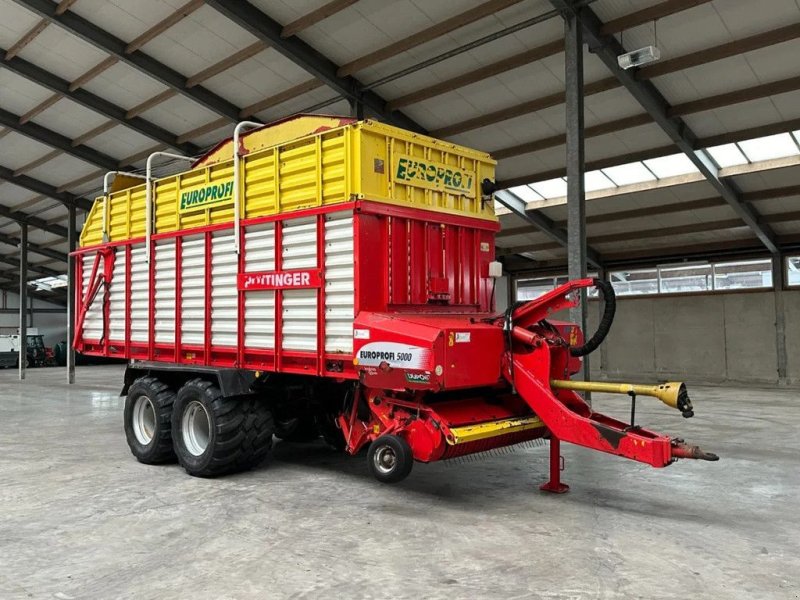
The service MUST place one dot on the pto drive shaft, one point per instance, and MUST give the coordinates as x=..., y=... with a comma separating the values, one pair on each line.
x=672, y=394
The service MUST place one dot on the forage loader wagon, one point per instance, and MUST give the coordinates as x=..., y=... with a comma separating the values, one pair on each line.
x=322, y=276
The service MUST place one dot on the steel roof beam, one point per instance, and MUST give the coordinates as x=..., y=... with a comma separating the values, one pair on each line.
x=45, y=189
x=542, y=222
x=56, y=140
x=612, y=161
x=103, y=40
x=21, y=217
x=651, y=13
x=674, y=65
x=315, y=16
x=63, y=88
x=607, y=48
x=48, y=252
x=302, y=54
x=14, y=262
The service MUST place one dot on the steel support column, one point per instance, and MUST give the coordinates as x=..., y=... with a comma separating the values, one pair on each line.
x=356, y=109
x=23, y=299
x=72, y=234
x=778, y=284
x=576, y=196
x=607, y=49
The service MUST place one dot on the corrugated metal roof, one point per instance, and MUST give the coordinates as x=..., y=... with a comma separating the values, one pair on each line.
x=205, y=37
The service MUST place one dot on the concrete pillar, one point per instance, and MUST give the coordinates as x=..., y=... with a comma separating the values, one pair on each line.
x=576, y=197
x=778, y=285
x=23, y=299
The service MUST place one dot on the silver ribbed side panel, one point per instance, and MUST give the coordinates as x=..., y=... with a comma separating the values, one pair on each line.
x=165, y=291
x=299, y=306
x=339, y=282
x=193, y=280
x=93, y=324
x=140, y=295
x=259, y=306
x=116, y=298
x=224, y=295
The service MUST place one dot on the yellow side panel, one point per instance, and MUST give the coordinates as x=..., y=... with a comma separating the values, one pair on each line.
x=274, y=135
x=309, y=173
x=259, y=180
x=93, y=227
x=330, y=165
x=401, y=167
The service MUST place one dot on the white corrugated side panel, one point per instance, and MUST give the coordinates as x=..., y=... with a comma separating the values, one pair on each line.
x=339, y=282
x=140, y=295
x=259, y=307
x=224, y=296
x=93, y=323
x=193, y=281
x=299, y=306
x=116, y=298
x=165, y=291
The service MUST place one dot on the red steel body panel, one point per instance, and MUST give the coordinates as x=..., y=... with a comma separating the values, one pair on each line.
x=405, y=261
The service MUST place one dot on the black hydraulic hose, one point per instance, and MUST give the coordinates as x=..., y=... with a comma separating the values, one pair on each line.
x=610, y=298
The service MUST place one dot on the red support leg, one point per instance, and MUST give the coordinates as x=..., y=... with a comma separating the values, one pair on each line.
x=554, y=485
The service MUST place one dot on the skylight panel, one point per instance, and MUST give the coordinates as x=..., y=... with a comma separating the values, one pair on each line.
x=525, y=192
x=595, y=180
x=727, y=155
x=629, y=174
x=769, y=147
x=552, y=188
x=49, y=282
x=671, y=166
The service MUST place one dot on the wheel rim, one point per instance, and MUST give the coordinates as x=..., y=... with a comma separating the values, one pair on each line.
x=144, y=420
x=385, y=460
x=196, y=428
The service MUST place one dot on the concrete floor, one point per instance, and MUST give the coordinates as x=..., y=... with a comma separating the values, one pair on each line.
x=82, y=519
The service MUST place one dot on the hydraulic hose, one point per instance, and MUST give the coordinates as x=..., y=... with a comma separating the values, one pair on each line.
x=607, y=292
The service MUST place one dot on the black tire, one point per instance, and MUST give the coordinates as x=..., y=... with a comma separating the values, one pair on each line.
x=238, y=431
x=300, y=430
x=390, y=459
x=148, y=412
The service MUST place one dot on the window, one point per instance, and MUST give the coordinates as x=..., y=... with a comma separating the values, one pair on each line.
x=743, y=275
x=674, y=280
x=727, y=155
x=793, y=271
x=530, y=289
x=629, y=174
x=670, y=166
x=630, y=283
x=552, y=188
x=525, y=192
x=49, y=283
x=698, y=277
x=595, y=180
x=655, y=169
x=769, y=147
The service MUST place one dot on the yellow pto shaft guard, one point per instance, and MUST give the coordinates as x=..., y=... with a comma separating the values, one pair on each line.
x=672, y=394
